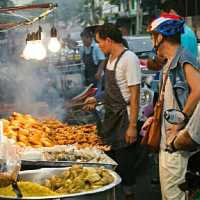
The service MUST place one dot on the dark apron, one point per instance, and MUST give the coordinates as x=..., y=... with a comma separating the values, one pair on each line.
x=90, y=68
x=116, y=119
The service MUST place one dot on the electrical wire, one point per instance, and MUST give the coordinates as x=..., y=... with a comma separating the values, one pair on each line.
x=28, y=21
x=18, y=15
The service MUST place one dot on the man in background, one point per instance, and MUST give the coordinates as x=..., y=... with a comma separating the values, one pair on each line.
x=92, y=57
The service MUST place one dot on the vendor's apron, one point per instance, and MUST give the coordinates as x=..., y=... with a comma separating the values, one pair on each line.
x=116, y=119
x=90, y=68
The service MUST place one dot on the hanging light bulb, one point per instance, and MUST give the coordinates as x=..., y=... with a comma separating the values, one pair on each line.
x=27, y=52
x=54, y=45
x=40, y=51
x=34, y=48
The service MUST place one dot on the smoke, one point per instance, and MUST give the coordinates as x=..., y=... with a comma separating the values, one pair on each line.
x=36, y=88
x=32, y=89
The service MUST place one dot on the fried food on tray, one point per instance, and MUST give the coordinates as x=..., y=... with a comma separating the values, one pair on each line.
x=29, y=131
x=79, y=179
x=28, y=189
x=89, y=155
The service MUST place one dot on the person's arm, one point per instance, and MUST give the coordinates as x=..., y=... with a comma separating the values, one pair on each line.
x=189, y=137
x=193, y=78
x=134, y=104
x=100, y=96
x=101, y=62
x=90, y=102
x=153, y=61
x=133, y=77
x=131, y=134
x=183, y=141
x=100, y=70
x=154, y=64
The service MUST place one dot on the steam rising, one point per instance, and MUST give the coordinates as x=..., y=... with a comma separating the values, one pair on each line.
x=37, y=88
x=31, y=90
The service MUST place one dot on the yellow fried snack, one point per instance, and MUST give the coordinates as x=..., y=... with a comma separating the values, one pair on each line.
x=28, y=189
x=29, y=131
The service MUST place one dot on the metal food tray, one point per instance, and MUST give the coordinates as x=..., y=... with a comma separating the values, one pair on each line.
x=38, y=176
x=39, y=163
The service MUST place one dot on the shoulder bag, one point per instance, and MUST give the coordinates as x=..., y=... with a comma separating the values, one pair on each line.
x=152, y=136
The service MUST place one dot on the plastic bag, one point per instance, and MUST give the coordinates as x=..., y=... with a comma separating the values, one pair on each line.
x=10, y=162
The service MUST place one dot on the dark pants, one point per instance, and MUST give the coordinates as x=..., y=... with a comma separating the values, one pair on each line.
x=126, y=159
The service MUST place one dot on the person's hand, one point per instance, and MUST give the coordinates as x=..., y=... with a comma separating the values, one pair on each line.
x=172, y=132
x=147, y=123
x=90, y=104
x=131, y=135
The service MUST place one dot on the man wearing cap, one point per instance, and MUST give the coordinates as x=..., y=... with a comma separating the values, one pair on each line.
x=182, y=92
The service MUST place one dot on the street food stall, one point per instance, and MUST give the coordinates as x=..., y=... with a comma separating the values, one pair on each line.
x=52, y=145
x=57, y=160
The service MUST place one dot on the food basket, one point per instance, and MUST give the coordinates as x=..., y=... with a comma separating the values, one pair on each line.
x=40, y=158
x=38, y=176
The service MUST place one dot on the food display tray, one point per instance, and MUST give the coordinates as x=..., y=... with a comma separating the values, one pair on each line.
x=41, y=164
x=38, y=176
x=33, y=159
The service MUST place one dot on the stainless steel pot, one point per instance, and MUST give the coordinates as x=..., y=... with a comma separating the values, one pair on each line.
x=105, y=193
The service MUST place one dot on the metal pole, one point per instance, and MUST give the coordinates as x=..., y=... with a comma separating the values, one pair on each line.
x=141, y=20
x=138, y=18
x=92, y=12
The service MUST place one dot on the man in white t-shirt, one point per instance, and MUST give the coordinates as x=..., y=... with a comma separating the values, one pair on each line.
x=121, y=101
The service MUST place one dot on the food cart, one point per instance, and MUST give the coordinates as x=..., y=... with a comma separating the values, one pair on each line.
x=80, y=146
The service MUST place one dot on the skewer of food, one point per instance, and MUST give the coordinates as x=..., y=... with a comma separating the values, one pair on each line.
x=27, y=130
